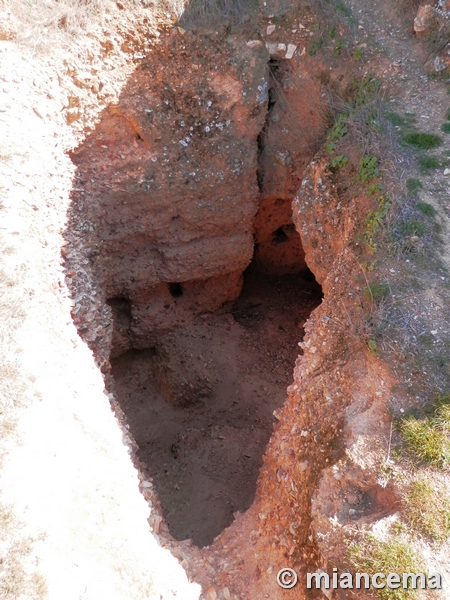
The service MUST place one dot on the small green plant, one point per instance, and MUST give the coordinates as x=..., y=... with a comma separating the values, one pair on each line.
x=426, y=209
x=372, y=555
x=374, y=221
x=338, y=46
x=423, y=141
x=358, y=54
x=368, y=267
x=337, y=162
x=373, y=347
x=395, y=119
x=413, y=227
x=375, y=292
x=413, y=186
x=428, y=439
x=375, y=188
x=429, y=163
x=446, y=127
x=339, y=128
x=365, y=90
x=332, y=32
x=368, y=169
x=315, y=46
x=427, y=510
x=345, y=10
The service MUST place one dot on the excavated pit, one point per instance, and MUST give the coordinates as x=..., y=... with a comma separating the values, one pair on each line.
x=188, y=275
x=200, y=401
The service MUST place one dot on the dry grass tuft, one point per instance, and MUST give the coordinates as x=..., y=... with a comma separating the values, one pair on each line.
x=15, y=579
x=428, y=438
x=427, y=510
x=372, y=555
x=217, y=12
x=38, y=23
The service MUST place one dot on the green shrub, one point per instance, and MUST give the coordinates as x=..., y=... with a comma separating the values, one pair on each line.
x=338, y=162
x=446, y=128
x=423, y=141
x=375, y=188
x=368, y=169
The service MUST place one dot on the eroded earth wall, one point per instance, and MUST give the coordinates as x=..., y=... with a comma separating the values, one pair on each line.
x=193, y=166
x=167, y=184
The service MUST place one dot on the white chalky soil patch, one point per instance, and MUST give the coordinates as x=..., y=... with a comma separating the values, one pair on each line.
x=66, y=471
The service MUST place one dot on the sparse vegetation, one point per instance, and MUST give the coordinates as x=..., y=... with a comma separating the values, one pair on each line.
x=422, y=141
x=372, y=555
x=216, y=12
x=339, y=128
x=368, y=169
x=395, y=119
x=373, y=347
x=338, y=46
x=365, y=90
x=358, y=54
x=377, y=291
x=413, y=185
x=315, y=46
x=428, y=439
x=427, y=510
x=337, y=162
x=374, y=221
x=413, y=227
x=15, y=581
x=426, y=209
x=345, y=10
x=429, y=163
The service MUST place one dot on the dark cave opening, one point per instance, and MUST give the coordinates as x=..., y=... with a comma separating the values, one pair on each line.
x=175, y=289
x=200, y=400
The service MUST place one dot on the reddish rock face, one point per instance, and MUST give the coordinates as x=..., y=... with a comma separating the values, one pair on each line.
x=192, y=171
x=278, y=247
x=170, y=181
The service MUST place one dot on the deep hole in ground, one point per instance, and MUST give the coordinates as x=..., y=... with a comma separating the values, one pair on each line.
x=189, y=277
x=200, y=401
